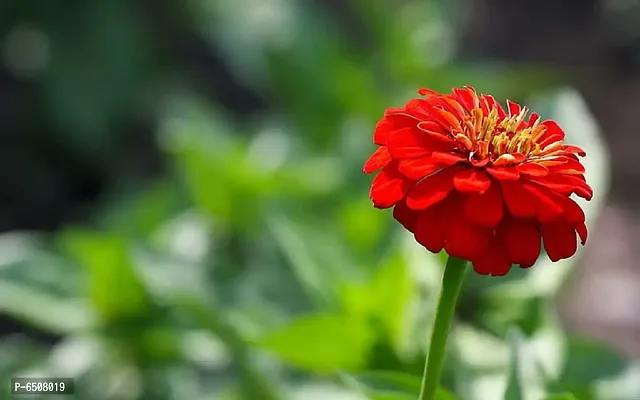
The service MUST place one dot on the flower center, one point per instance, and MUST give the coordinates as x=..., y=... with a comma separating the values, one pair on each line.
x=509, y=141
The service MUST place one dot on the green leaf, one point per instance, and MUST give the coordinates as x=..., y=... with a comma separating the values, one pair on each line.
x=385, y=297
x=382, y=385
x=110, y=272
x=317, y=258
x=515, y=390
x=561, y=396
x=205, y=145
x=362, y=224
x=392, y=289
x=444, y=394
x=587, y=362
x=508, y=305
x=307, y=270
x=322, y=342
x=552, y=386
x=44, y=310
x=134, y=211
x=40, y=288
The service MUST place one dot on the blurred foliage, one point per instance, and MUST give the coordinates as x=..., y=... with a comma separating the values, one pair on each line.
x=255, y=267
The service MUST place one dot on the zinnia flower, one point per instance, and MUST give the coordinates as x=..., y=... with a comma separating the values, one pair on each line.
x=485, y=184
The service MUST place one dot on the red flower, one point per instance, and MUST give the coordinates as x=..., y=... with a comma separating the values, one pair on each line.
x=485, y=184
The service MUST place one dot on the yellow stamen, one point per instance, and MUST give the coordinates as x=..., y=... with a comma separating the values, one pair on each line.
x=485, y=135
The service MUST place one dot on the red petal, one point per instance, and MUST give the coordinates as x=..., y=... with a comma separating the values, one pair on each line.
x=389, y=124
x=582, y=188
x=485, y=209
x=547, y=209
x=493, y=104
x=533, y=169
x=517, y=199
x=405, y=216
x=447, y=158
x=418, y=168
x=389, y=187
x=484, y=104
x=514, y=108
x=378, y=160
x=523, y=240
x=559, y=240
x=427, y=92
x=440, y=139
x=585, y=193
x=430, y=126
x=575, y=150
x=553, y=161
x=451, y=122
x=432, y=189
x=570, y=167
x=494, y=261
x=556, y=182
x=479, y=163
x=445, y=119
x=431, y=227
x=419, y=108
x=395, y=111
x=465, y=97
x=409, y=143
x=552, y=134
x=471, y=181
x=566, y=185
x=573, y=213
x=464, y=239
x=583, y=233
x=504, y=173
x=456, y=108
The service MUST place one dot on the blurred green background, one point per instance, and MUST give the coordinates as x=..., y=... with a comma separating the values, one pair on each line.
x=185, y=214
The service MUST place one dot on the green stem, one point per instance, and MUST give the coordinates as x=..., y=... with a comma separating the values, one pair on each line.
x=451, y=285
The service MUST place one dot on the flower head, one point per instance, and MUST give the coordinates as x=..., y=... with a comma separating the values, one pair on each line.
x=485, y=184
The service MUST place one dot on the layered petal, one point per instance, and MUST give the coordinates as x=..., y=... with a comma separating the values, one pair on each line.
x=495, y=261
x=431, y=189
x=378, y=160
x=559, y=240
x=533, y=169
x=471, y=181
x=486, y=208
x=390, y=124
x=431, y=228
x=405, y=216
x=418, y=168
x=409, y=143
x=388, y=187
x=517, y=199
x=566, y=185
x=463, y=239
x=523, y=240
x=504, y=173
x=547, y=210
